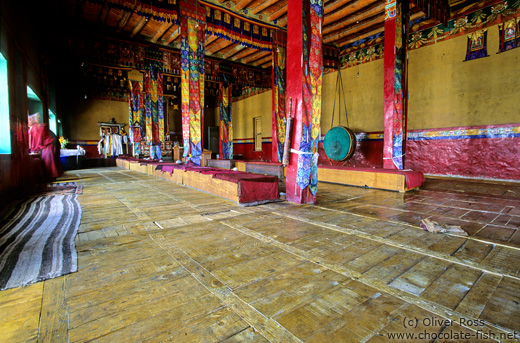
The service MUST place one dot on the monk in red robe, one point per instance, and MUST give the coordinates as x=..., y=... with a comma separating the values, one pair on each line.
x=44, y=140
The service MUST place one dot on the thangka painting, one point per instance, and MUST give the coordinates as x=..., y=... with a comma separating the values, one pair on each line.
x=226, y=120
x=307, y=173
x=509, y=35
x=477, y=45
x=192, y=87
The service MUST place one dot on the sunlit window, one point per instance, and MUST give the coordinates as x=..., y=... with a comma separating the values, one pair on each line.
x=52, y=122
x=5, y=134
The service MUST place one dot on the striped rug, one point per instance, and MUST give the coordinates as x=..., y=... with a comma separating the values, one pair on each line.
x=37, y=239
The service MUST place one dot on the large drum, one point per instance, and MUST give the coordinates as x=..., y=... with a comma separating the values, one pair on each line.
x=339, y=143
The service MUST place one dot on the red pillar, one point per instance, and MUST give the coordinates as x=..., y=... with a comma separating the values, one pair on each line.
x=274, y=136
x=395, y=83
x=295, y=93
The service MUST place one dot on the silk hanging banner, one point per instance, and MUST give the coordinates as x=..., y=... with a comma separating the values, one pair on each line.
x=153, y=96
x=226, y=120
x=135, y=113
x=279, y=56
x=307, y=173
x=192, y=79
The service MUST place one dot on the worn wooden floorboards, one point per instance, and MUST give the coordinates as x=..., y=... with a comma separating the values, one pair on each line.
x=159, y=262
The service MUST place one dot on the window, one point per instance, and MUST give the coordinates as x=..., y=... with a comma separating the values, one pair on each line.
x=52, y=123
x=257, y=128
x=34, y=105
x=5, y=133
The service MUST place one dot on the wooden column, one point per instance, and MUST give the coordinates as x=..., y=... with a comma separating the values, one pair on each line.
x=297, y=105
x=274, y=126
x=395, y=83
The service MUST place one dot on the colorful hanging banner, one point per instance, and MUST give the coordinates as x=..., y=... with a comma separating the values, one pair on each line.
x=156, y=9
x=226, y=120
x=307, y=173
x=135, y=110
x=153, y=96
x=400, y=84
x=226, y=24
x=192, y=83
x=279, y=56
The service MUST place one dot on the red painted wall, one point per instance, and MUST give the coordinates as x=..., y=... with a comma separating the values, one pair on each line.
x=368, y=154
x=488, y=152
x=245, y=151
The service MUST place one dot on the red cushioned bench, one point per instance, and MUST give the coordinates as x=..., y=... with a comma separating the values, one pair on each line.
x=244, y=188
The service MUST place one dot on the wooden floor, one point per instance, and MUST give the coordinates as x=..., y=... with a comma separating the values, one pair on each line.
x=162, y=262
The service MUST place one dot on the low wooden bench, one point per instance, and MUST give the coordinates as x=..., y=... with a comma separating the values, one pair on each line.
x=222, y=164
x=387, y=179
x=266, y=168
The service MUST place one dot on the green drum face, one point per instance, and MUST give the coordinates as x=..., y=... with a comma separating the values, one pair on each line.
x=339, y=143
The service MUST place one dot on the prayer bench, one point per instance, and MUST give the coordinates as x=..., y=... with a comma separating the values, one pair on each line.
x=258, y=167
x=387, y=179
x=222, y=164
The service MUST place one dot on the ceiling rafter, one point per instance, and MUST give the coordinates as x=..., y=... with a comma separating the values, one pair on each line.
x=263, y=6
x=256, y=56
x=263, y=60
x=278, y=13
x=267, y=65
x=246, y=52
x=361, y=34
x=210, y=39
x=357, y=17
x=332, y=6
x=125, y=17
x=139, y=26
x=344, y=12
x=242, y=4
x=365, y=24
x=160, y=32
x=219, y=45
x=229, y=48
x=103, y=16
x=233, y=51
x=173, y=36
